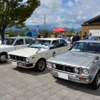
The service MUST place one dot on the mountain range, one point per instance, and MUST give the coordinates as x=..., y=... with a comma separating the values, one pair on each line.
x=33, y=27
x=47, y=27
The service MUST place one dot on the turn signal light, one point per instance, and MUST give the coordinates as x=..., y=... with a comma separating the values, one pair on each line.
x=82, y=79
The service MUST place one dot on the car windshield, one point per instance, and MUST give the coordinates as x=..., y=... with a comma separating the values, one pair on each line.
x=86, y=47
x=40, y=44
x=9, y=41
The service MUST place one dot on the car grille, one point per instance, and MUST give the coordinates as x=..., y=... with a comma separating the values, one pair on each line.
x=17, y=58
x=65, y=68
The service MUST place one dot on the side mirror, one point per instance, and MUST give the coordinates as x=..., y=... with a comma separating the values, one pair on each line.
x=96, y=57
x=53, y=54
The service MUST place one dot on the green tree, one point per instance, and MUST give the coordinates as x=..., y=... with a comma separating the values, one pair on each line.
x=72, y=31
x=15, y=13
x=10, y=32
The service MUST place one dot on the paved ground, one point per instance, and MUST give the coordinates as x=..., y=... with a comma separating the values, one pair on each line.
x=22, y=84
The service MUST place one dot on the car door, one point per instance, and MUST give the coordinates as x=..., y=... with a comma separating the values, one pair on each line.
x=54, y=49
x=63, y=46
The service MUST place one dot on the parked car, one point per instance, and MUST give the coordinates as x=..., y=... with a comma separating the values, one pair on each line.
x=0, y=41
x=36, y=54
x=13, y=43
x=81, y=64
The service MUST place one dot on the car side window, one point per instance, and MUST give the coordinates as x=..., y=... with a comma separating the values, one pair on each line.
x=55, y=44
x=19, y=42
x=62, y=43
x=28, y=41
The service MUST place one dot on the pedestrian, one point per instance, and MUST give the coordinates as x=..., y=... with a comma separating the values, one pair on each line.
x=46, y=35
x=90, y=37
x=38, y=36
x=75, y=38
x=52, y=35
x=72, y=37
x=85, y=37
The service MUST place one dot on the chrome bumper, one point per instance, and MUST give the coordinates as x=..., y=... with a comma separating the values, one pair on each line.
x=23, y=64
x=70, y=76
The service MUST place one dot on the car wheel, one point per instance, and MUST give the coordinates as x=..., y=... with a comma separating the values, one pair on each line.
x=96, y=82
x=40, y=65
x=3, y=58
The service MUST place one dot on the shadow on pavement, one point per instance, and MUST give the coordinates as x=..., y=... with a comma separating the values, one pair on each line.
x=30, y=71
x=6, y=63
x=78, y=87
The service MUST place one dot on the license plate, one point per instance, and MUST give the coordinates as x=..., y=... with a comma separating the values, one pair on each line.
x=14, y=63
x=62, y=75
x=20, y=64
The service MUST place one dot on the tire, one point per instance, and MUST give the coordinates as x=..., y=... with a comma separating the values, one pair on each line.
x=40, y=65
x=96, y=82
x=3, y=58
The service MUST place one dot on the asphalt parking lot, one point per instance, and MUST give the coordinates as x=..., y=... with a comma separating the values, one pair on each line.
x=24, y=84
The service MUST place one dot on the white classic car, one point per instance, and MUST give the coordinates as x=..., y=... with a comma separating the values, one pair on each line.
x=39, y=50
x=13, y=43
x=81, y=64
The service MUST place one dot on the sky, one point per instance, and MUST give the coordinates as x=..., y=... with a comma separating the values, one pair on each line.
x=64, y=13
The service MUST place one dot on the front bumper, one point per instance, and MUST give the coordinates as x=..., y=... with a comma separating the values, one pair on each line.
x=70, y=76
x=23, y=64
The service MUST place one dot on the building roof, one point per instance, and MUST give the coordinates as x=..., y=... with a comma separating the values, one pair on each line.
x=92, y=22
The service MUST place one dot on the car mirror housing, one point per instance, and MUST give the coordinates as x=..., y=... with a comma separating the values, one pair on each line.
x=96, y=57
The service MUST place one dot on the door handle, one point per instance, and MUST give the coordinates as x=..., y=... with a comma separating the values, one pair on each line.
x=53, y=54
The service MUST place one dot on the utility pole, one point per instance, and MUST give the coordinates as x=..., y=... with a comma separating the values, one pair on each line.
x=45, y=21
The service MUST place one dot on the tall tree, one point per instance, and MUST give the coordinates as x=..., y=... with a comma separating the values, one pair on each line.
x=15, y=13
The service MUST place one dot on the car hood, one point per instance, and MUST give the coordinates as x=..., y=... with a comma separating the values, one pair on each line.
x=5, y=46
x=26, y=52
x=74, y=59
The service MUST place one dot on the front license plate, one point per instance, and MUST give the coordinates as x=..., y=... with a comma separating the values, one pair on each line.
x=62, y=75
x=20, y=64
x=14, y=63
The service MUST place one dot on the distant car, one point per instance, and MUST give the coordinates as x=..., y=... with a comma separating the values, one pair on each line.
x=36, y=54
x=81, y=64
x=13, y=43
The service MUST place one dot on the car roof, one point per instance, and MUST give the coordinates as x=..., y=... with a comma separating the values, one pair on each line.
x=89, y=41
x=19, y=37
x=50, y=39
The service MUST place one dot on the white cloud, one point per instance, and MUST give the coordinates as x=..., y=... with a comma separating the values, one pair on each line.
x=70, y=4
x=65, y=14
x=76, y=1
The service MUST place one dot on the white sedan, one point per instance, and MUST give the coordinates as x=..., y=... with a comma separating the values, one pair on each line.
x=13, y=43
x=36, y=54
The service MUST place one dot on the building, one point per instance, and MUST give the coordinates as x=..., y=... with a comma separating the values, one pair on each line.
x=92, y=26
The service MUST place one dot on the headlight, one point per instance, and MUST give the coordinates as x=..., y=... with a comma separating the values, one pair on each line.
x=53, y=66
x=76, y=70
x=49, y=64
x=8, y=56
x=27, y=60
x=85, y=71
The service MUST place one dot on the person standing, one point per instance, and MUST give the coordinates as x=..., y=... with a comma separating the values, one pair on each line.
x=46, y=35
x=75, y=38
x=72, y=37
x=90, y=37
x=85, y=36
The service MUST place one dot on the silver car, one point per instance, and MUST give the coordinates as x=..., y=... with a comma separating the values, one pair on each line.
x=80, y=64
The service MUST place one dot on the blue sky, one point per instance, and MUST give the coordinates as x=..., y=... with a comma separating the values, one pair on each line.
x=64, y=13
